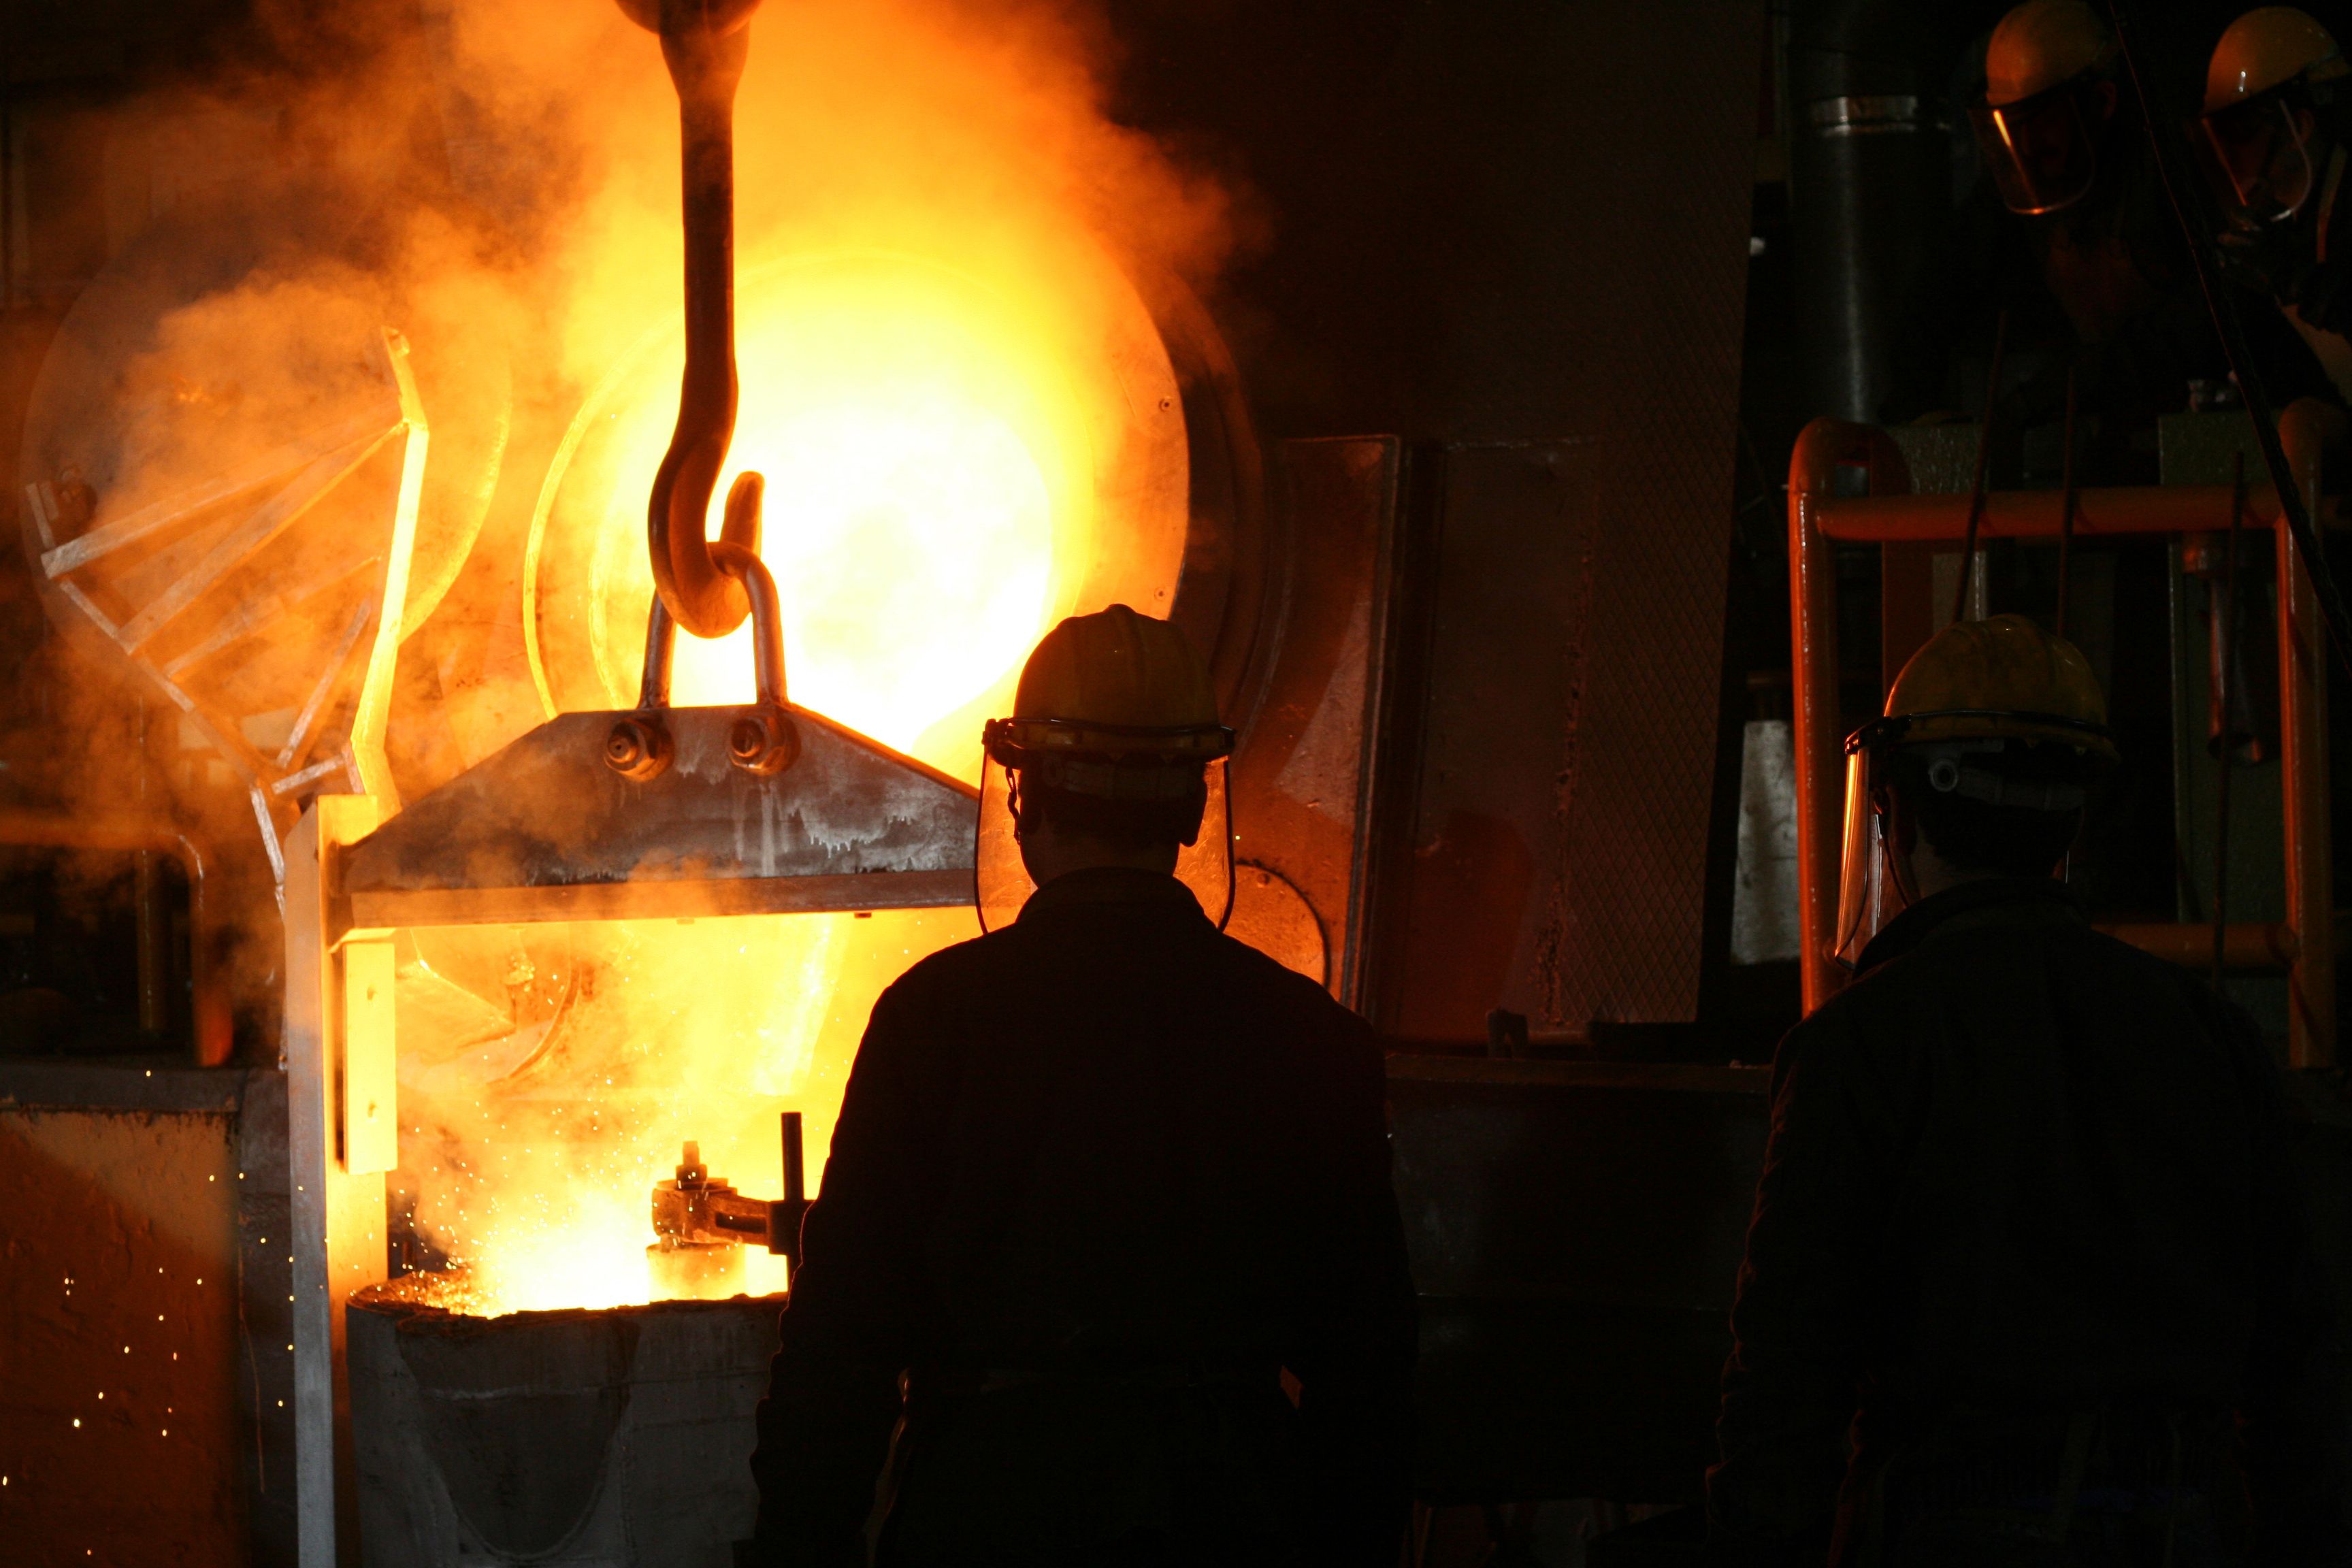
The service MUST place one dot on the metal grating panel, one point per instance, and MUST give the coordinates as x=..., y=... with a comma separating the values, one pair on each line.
x=1622, y=929
x=1570, y=648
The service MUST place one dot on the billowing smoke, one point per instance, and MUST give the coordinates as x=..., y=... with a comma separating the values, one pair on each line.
x=497, y=180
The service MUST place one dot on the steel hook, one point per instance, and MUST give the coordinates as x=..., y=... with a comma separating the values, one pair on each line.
x=704, y=43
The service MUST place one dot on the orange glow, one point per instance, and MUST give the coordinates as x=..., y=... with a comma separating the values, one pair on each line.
x=951, y=464
x=533, y=1154
x=920, y=451
x=937, y=454
x=970, y=427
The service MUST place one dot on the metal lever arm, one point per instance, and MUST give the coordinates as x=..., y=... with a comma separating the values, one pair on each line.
x=697, y=1207
x=705, y=43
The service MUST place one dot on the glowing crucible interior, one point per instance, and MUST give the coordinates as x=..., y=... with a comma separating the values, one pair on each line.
x=951, y=467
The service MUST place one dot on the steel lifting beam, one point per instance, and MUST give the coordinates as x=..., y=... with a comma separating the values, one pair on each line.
x=1819, y=519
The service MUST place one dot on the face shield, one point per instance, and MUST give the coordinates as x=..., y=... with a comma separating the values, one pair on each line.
x=1868, y=894
x=2259, y=155
x=2043, y=150
x=1960, y=752
x=1001, y=881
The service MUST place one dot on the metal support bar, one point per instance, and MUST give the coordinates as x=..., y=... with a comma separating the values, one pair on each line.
x=277, y=466
x=1824, y=446
x=2248, y=947
x=338, y=1216
x=2302, y=648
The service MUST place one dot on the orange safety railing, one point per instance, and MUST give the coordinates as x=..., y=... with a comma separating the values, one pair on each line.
x=2303, y=944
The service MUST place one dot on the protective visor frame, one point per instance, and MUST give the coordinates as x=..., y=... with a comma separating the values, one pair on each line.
x=1868, y=894
x=2246, y=144
x=1896, y=729
x=2041, y=152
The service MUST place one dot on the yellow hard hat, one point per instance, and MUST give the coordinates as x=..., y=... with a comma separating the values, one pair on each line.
x=2040, y=45
x=1114, y=685
x=2266, y=49
x=2004, y=679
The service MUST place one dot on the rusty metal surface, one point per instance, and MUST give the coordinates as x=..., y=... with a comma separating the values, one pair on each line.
x=1301, y=774
x=1504, y=585
x=545, y=831
x=123, y=1308
x=1556, y=709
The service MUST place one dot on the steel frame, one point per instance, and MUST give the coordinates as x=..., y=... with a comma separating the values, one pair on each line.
x=2303, y=944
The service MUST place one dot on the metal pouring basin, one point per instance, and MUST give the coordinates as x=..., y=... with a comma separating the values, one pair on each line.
x=618, y=1436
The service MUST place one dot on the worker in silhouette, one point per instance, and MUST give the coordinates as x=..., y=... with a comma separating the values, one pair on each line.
x=2068, y=252
x=1105, y=1234
x=2276, y=121
x=2027, y=1280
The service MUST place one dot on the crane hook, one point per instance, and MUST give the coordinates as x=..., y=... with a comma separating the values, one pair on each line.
x=704, y=43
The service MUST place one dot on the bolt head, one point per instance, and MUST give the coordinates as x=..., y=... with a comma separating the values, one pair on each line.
x=637, y=747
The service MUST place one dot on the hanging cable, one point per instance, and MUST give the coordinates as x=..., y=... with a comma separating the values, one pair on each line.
x=1984, y=467
x=2223, y=310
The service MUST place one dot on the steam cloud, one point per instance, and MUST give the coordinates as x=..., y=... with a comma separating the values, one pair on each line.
x=498, y=179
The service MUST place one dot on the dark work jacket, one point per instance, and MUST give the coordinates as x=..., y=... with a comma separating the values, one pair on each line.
x=2312, y=270
x=1099, y=1178
x=2019, y=1173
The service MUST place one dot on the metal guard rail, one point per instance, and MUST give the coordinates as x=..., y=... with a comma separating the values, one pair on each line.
x=2303, y=944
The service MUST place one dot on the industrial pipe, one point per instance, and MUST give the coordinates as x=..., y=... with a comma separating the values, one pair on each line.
x=1824, y=446
x=213, y=1030
x=2248, y=947
x=704, y=43
x=1869, y=177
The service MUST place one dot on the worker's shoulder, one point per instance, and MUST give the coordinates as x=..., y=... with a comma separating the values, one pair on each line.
x=952, y=967
x=2112, y=977
x=1281, y=982
x=1969, y=954
x=1210, y=960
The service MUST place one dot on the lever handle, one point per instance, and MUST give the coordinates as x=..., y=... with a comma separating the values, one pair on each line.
x=784, y=1215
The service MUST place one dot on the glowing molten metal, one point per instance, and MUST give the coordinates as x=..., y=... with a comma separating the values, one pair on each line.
x=938, y=457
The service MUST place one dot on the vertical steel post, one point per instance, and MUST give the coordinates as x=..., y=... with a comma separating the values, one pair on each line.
x=2303, y=430
x=337, y=1212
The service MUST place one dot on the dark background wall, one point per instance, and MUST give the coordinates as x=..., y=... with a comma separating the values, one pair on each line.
x=1509, y=223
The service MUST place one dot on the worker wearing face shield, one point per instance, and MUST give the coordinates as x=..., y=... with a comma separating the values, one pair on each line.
x=2049, y=120
x=2027, y=1280
x=2277, y=117
x=1105, y=1183
x=2066, y=251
